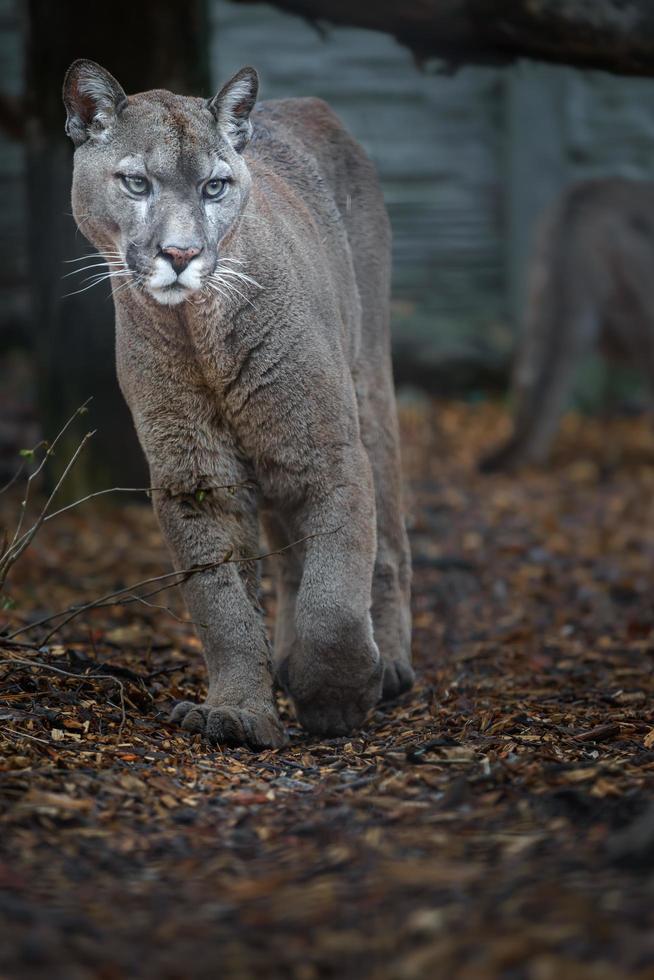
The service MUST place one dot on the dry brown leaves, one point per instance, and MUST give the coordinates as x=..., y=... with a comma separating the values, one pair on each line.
x=496, y=823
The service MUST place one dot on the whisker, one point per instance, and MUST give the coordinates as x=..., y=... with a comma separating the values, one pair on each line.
x=97, y=280
x=228, y=258
x=93, y=255
x=97, y=265
x=230, y=281
x=243, y=276
x=212, y=286
x=118, y=274
x=225, y=285
x=232, y=288
x=66, y=295
x=228, y=268
x=223, y=274
x=98, y=258
x=130, y=282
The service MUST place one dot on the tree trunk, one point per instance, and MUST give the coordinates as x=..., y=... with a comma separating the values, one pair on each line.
x=145, y=45
x=616, y=35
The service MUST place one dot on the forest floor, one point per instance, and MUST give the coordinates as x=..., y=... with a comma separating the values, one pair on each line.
x=497, y=822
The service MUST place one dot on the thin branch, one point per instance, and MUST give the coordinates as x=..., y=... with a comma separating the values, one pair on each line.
x=101, y=493
x=40, y=665
x=6, y=642
x=17, y=547
x=19, y=472
x=33, y=738
x=164, y=670
x=49, y=452
x=21, y=469
x=167, y=609
x=170, y=579
x=5, y=562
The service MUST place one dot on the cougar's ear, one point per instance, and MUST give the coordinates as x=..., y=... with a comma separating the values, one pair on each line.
x=93, y=98
x=233, y=105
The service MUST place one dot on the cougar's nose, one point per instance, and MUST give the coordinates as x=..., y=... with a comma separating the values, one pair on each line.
x=178, y=256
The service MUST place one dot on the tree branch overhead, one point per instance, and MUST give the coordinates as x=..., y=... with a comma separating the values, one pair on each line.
x=614, y=35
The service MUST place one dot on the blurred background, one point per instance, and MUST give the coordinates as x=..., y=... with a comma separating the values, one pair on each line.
x=469, y=155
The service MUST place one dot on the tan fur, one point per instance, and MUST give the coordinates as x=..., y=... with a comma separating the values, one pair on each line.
x=284, y=387
x=591, y=284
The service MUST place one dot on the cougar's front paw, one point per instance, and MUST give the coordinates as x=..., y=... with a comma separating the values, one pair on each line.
x=327, y=705
x=228, y=725
x=399, y=677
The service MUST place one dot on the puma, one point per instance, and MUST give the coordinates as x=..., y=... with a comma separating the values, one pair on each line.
x=590, y=285
x=248, y=250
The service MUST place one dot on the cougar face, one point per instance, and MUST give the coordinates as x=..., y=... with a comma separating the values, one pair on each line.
x=159, y=179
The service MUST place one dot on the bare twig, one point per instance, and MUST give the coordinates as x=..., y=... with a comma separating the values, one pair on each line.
x=33, y=738
x=20, y=542
x=48, y=452
x=19, y=472
x=164, y=670
x=102, y=493
x=17, y=547
x=40, y=665
x=5, y=641
x=125, y=596
x=167, y=609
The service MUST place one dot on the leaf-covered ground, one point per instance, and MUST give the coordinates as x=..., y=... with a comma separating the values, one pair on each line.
x=497, y=822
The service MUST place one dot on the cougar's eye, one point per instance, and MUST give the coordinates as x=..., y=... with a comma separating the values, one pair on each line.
x=214, y=188
x=138, y=186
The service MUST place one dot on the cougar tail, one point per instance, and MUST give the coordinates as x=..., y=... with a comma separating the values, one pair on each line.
x=561, y=324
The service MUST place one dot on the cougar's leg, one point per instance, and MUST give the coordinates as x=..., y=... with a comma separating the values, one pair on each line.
x=287, y=571
x=334, y=672
x=223, y=603
x=567, y=284
x=391, y=586
x=540, y=408
x=369, y=235
x=543, y=380
x=190, y=460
